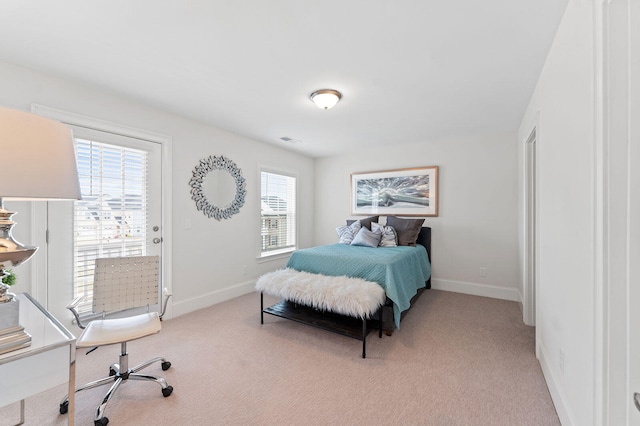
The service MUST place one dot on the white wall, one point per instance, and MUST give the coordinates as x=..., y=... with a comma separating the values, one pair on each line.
x=564, y=103
x=477, y=222
x=209, y=258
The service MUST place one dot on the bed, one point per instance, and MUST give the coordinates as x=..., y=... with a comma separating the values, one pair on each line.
x=403, y=272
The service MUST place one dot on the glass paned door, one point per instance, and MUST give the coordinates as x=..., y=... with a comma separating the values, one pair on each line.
x=119, y=214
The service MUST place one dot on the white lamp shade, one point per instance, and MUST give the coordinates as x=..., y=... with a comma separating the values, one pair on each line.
x=37, y=158
x=326, y=98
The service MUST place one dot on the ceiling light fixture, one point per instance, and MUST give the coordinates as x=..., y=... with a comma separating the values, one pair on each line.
x=326, y=98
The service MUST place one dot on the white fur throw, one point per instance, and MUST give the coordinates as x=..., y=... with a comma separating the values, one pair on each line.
x=348, y=296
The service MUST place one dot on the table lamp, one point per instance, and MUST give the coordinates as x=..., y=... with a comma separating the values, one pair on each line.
x=37, y=162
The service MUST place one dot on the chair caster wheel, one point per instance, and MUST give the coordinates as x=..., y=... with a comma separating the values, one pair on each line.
x=166, y=365
x=112, y=372
x=101, y=422
x=64, y=407
x=167, y=391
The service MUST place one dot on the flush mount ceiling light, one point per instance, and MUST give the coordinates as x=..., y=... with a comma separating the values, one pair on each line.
x=325, y=98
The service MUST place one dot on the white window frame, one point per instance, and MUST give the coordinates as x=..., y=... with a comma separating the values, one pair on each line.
x=285, y=252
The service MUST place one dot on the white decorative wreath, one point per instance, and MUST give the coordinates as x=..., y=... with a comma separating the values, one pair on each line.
x=197, y=194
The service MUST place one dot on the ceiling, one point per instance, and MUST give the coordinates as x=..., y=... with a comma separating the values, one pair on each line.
x=409, y=70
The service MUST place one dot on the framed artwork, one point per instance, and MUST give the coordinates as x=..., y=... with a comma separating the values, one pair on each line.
x=402, y=192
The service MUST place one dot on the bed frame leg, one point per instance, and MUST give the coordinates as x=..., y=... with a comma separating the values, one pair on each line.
x=261, y=308
x=364, y=337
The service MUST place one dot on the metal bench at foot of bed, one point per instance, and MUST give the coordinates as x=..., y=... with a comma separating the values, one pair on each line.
x=338, y=304
x=355, y=328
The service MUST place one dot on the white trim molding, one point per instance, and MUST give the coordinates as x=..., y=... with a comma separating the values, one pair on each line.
x=615, y=210
x=560, y=402
x=476, y=289
x=530, y=229
x=214, y=297
x=98, y=124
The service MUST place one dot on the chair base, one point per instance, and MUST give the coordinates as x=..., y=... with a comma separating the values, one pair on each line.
x=118, y=374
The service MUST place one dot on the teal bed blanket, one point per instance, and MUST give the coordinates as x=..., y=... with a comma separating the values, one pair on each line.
x=401, y=271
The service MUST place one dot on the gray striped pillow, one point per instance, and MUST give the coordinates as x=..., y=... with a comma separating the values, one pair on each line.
x=389, y=235
x=347, y=233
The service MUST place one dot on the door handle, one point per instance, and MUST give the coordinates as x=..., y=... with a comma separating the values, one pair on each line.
x=157, y=240
x=636, y=400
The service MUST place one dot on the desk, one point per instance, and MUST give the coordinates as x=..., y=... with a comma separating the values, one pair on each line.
x=48, y=362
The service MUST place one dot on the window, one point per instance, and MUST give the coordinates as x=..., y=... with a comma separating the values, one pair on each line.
x=111, y=219
x=278, y=213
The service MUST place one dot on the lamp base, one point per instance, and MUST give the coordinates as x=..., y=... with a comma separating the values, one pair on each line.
x=12, y=334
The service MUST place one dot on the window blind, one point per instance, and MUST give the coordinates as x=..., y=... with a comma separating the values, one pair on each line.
x=278, y=212
x=111, y=218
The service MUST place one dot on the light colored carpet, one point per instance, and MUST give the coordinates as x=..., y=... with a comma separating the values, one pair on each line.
x=457, y=360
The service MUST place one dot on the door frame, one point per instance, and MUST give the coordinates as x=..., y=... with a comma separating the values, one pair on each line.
x=616, y=208
x=39, y=266
x=530, y=272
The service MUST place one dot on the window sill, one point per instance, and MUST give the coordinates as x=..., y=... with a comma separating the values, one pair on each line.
x=275, y=255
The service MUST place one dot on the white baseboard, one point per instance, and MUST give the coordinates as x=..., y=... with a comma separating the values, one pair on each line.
x=557, y=395
x=476, y=289
x=212, y=298
x=218, y=296
x=521, y=306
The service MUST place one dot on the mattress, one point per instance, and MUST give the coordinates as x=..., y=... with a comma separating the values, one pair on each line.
x=401, y=271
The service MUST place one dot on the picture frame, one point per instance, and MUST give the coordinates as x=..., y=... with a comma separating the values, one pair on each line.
x=400, y=192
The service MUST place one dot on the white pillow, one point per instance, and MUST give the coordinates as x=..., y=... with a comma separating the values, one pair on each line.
x=347, y=232
x=367, y=238
x=389, y=235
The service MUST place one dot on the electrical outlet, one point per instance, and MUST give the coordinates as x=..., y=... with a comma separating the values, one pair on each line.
x=561, y=363
x=483, y=271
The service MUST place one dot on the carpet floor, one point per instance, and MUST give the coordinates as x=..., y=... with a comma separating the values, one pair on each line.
x=457, y=360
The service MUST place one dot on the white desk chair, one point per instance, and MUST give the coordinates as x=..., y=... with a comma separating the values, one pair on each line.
x=121, y=283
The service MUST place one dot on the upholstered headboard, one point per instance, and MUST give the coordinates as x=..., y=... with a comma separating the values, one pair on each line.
x=424, y=239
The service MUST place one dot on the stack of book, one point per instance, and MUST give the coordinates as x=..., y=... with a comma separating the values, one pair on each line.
x=13, y=338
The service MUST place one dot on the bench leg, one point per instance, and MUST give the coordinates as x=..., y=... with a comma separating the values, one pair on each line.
x=261, y=308
x=364, y=337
